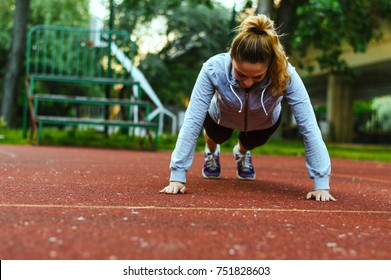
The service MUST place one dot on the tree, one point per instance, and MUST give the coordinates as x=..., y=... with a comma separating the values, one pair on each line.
x=15, y=59
x=60, y=12
x=28, y=13
x=7, y=8
x=265, y=7
x=192, y=31
x=131, y=13
x=325, y=25
x=330, y=25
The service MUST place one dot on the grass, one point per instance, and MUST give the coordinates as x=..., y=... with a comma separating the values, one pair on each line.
x=360, y=152
x=90, y=138
x=11, y=136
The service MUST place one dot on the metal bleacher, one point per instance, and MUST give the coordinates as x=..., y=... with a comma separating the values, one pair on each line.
x=57, y=57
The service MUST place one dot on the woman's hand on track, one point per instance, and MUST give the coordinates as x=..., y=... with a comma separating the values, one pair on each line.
x=321, y=195
x=174, y=188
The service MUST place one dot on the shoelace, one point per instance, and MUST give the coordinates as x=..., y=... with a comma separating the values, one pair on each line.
x=245, y=161
x=211, y=162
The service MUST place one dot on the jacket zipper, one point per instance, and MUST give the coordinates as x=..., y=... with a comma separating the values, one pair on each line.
x=245, y=110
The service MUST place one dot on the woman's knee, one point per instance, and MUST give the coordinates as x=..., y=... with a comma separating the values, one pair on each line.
x=249, y=143
x=219, y=138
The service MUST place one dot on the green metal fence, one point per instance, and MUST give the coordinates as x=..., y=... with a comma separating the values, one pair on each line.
x=78, y=55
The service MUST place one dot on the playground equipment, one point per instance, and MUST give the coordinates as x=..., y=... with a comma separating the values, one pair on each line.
x=87, y=57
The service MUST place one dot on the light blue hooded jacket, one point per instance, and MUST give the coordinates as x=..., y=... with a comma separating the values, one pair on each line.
x=218, y=92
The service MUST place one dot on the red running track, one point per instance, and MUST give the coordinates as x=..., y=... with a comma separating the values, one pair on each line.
x=80, y=203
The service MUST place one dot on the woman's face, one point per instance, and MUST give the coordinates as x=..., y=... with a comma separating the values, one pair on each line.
x=248, y=73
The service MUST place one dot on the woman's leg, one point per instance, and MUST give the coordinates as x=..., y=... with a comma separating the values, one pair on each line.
x=214, y=133
x=210, y=144
x=252, y=139
x=246, y=142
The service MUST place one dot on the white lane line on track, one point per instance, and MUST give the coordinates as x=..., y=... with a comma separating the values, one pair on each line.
x=151, y=207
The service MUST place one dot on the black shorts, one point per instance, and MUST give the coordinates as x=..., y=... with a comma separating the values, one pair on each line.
x=249, y=139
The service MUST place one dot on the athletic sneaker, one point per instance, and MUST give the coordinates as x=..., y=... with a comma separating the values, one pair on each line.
x=211, y=168
x=244, y=165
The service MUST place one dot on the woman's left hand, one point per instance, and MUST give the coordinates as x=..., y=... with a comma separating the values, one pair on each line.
x=174, y=188
x=321, y=195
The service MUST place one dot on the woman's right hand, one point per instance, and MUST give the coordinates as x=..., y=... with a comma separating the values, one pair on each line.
x=174, y=188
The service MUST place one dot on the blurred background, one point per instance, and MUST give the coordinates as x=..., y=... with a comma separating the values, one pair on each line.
x=341, y=49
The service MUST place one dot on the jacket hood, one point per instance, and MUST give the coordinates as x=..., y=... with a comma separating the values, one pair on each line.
x=229, y=70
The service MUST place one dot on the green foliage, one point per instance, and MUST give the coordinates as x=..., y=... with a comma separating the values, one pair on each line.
x=60, y=12
x=130, y=13
x=2, y=123
x=7, y=8
x=328, y=25
x=363, y=107
x=193, y=31
x=381, y=117
x=194, y=34
x=12, y=136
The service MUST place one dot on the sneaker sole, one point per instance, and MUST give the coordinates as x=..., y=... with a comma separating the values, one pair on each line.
x=244, y=178
x=210, y=177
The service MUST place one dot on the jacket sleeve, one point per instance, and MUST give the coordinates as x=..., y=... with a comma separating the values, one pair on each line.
x=317, y=156
x=183, y=154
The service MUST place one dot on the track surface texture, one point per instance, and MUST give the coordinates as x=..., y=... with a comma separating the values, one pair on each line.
x=82, y=203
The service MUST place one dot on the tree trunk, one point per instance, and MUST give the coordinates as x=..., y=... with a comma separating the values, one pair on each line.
x=339, y=109
x=285, y=23
x=265, y=7
x=15, y=60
